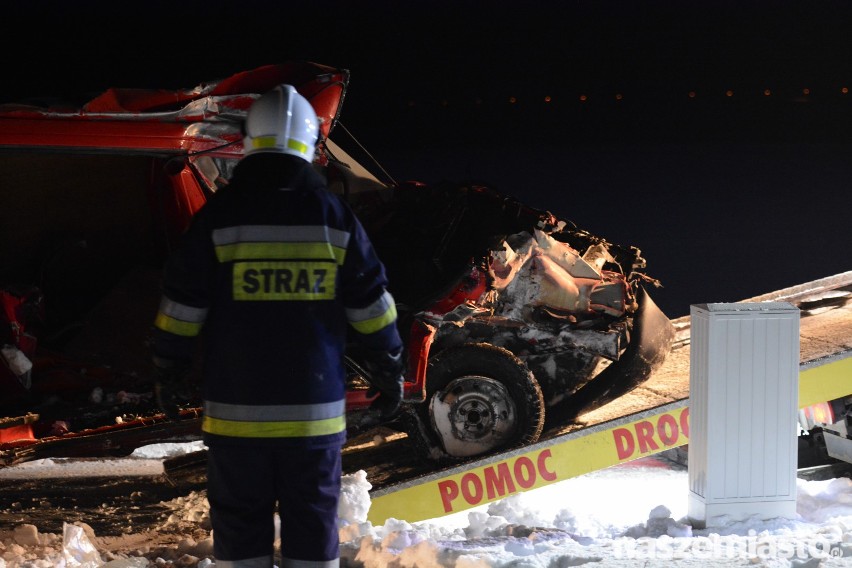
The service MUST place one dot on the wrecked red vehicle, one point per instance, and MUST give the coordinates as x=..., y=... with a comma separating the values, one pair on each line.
x=515, y=322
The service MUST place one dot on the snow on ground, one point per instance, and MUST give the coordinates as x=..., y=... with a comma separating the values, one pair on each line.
x=629, y=515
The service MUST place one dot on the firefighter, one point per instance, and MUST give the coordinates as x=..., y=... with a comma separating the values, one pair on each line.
x=274, y=268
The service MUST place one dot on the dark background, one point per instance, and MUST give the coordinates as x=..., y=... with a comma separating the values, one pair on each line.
x=727, y=196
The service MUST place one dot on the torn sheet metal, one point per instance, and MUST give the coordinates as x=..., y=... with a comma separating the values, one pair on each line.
x=558, y=310
x=537, y=271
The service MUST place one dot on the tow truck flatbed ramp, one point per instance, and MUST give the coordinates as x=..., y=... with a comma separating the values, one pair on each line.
x=652, y=418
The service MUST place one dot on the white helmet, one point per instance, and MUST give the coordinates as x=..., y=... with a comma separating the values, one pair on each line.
x=282, y=121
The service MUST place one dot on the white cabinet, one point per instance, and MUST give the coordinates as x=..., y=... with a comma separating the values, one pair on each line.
x=743, y=393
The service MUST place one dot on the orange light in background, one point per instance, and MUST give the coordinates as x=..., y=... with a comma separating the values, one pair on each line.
x=691, y=94
x=729, y=93
x=766, y=92
x=819, y=413
x=844, y=90
x=583, y=98
x=512, y=100
x=547, y=99
x=806, y=91
x=619, y=96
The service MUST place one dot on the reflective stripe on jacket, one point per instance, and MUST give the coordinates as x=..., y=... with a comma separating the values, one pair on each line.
x=274, y=421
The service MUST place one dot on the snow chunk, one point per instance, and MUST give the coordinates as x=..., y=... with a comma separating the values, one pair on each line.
x=354, y=498
x=26, y=535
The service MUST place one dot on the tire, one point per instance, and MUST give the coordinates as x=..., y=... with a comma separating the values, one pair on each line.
x=480, y=399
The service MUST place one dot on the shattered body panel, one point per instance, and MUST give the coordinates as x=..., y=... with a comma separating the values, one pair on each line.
x=98, y=195
x=561, y=313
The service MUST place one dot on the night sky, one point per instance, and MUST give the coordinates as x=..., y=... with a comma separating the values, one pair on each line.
x=728, y=196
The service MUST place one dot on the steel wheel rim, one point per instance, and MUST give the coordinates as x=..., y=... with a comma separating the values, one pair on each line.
x=472, y=415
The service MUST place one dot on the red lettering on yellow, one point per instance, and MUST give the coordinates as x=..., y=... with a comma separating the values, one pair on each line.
x=471, y=488
x=496, y=481
x=545, y=473
x=525, y=480
x=650, y=436
x=645, y=436
x=449, y=490
x=667, y=429
x=499, y=481
x=624, y=444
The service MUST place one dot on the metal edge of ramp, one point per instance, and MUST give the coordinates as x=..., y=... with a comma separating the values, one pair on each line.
x=576, y=453
x=790, y=294
x=808, y=288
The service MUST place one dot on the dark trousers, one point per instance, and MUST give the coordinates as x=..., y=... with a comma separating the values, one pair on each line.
x=244, y=484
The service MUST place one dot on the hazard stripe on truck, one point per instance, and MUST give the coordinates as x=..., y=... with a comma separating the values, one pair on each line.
x=575, y=453
x=824, y=379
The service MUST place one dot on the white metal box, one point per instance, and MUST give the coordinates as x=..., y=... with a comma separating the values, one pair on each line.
x=743, y=396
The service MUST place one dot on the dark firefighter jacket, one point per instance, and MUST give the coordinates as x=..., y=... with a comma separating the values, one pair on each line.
x=272, y=270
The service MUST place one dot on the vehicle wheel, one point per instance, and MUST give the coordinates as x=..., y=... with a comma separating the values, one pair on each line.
x=479, y=399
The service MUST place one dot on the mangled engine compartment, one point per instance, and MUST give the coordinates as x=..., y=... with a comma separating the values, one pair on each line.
x=564, y=315
x=560, y=313
x=484, y=268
